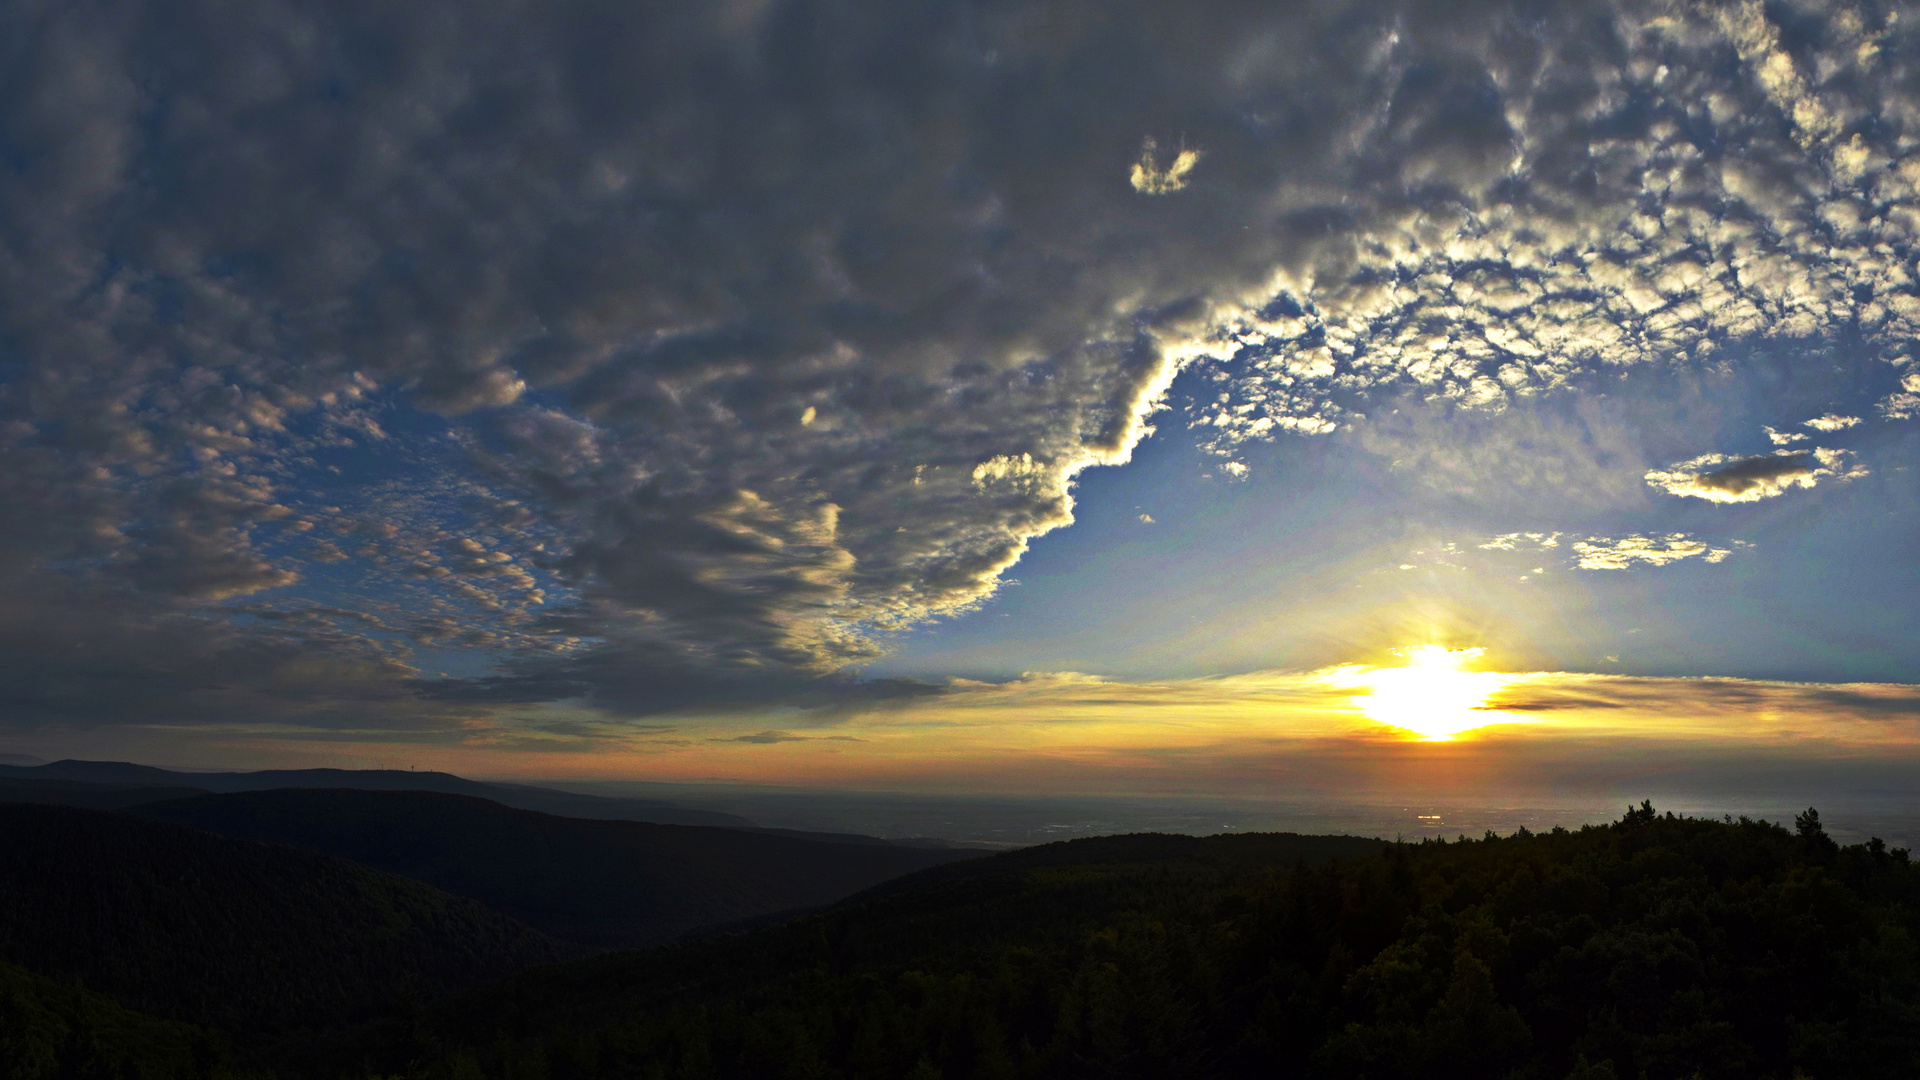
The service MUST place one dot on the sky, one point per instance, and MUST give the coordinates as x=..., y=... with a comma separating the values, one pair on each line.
x=1337, y=398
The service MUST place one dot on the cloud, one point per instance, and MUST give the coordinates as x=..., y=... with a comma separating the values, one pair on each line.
x=1614, y=553
x=1903, y=404
x=1831, y=422
x=767, y=738
x=1601, y=227
x=1624, y=553
x=658, y=351
x=1724, y=479
x=1150, y=178
x=1799, y=706
x=736, y=370
x=1522, y=541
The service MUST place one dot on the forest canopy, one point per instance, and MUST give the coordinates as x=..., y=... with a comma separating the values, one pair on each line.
x=1657, y=947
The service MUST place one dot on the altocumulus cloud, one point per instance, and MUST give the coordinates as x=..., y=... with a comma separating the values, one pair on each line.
x=1626, y=552
x=1615, y=552
x=699, y=346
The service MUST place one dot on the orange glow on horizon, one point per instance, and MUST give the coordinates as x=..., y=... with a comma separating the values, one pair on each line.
x=1429, y=722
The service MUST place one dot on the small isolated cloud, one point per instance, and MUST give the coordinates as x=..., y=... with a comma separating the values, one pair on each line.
x=1522, y=541
x=1785, y=438
x=1149, y=178
x=1831, y=422
x=1724, y=479
x=1626, y=552
x=766, y=738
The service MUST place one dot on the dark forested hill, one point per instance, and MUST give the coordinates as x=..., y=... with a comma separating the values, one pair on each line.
x=598, y=883
x=54, y=1030
x=254, y=938
x=1657, y=948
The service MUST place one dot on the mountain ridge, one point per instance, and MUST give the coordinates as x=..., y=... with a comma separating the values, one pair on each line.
x=523, y=796
x=597, y=883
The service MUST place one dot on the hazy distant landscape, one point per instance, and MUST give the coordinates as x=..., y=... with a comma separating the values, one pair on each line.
x=992, y=821
x=1002, y=820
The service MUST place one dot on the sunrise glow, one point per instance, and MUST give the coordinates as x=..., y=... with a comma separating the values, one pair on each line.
x=1433, y=696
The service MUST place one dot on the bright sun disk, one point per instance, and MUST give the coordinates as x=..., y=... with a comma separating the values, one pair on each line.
x=1433, y=695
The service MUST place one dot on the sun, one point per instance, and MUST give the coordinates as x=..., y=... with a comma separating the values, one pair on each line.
x=1433, y=696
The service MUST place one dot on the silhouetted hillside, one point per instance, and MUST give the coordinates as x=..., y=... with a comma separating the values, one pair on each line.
x=546, y=800
x=1225, y=851
x=254, y=938
x=1656, y=947
x=600, y=883
x=103, y=772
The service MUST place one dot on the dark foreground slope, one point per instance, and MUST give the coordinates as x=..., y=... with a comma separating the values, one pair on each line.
x=607, y=884
x=778, y=1001
x=1655, y=947
x=254, y=938
x=53, y=1030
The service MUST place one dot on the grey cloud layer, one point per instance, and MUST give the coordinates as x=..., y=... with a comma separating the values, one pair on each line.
x=769, y=328
x=782, y=277
x=1854, y=701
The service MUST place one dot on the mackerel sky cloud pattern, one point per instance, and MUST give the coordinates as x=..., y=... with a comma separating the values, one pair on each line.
x=409, y=361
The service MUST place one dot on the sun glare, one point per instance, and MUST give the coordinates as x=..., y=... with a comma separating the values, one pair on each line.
x=1433, y=696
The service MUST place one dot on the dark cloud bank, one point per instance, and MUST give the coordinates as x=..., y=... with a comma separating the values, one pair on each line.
x=673, y=354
